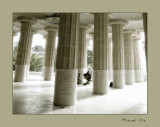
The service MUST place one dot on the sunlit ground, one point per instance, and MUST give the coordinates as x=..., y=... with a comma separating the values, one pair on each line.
x=35, y=96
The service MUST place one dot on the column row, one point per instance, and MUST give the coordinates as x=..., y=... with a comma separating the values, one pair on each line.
x=72, y=55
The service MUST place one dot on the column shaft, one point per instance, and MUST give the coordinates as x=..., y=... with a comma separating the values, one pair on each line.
x=118, y=56
x=24, y=49
x=49, y=55
x=100, y=82
x=118, y=52
x=109, y=59
x=66, y=65
x=29, y=53
x=138, y=73
x=82, y=53
x=128, y=58
x=43, y=62
x=145, y=32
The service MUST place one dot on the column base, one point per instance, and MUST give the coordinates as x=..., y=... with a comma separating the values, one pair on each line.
x=118, y=78
x=65, y=87
x=110, y=75
x=129, y=77
x=43, y=70
x=20, y=73
x=27, y=72
x=100, y=82
x=48, y=71
x=82, y=71
x=138, y=74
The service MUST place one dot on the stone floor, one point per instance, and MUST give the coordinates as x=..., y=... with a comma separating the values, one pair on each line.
x=35, y=96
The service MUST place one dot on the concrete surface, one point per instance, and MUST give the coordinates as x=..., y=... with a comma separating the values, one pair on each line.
x=35, y=96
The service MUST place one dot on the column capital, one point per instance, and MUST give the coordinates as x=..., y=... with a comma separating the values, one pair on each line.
x=33, y=31
x=91, y=34
x=85, y=26
x=131, y=31
x=51, y=28
x=107, y=13
x=136, y=37
x=26, y=19
x=118, y=21
x=110, y=38
x=45, y=36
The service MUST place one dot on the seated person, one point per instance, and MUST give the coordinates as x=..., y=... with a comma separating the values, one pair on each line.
x=87, y=76
x=111, y=84
x=78, y=79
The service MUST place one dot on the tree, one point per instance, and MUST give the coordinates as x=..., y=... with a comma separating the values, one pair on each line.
x=89, y=58
x=38, y=49
x=36, y=62
x=15, y=50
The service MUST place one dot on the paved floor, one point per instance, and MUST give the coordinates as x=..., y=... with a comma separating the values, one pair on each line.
x=35, y=96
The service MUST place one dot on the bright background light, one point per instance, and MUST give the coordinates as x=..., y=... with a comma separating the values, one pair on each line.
x=39, y=40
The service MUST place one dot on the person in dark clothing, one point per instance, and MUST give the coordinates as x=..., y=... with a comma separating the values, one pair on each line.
x=78, y=79
x=111, y=84
x=87, y=76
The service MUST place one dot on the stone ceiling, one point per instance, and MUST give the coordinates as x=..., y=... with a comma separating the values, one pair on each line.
x=51, y=19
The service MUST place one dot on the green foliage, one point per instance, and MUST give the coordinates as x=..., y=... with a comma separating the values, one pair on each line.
x=15, y=50
x=36, y=62
x=38, y=49
x=36, y=57
x=89, y=58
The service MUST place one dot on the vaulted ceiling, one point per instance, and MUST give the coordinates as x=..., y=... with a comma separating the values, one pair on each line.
x=51, y=19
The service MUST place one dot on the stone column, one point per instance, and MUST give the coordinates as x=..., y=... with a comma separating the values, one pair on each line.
x=29, y=53
x=100, y=81
x=24, y=48
x=146, y=34
x=82, y=52
x=109, y=59
x=90, y=44
x=138, y=73
x=43, y=67
x=118, y=52
x=49, y=53
x=128, y=56
x=66, y=65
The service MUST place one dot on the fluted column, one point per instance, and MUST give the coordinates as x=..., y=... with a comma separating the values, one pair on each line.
x=29, y=53
x=109, y=59
x=43, y=67
x=82, y=52
x=49, y=53
x=66, y=65
x=138, y=73
x=146, y=39
x=128, y=56
x=118, y=52
x=24, y=48
x=100, y=81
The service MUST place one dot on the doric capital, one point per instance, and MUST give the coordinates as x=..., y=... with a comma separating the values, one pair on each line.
x=118, y=21
x=136, y=37
x=26, y=19
x=45, y=36
x=109, y=38
x=51, y=28
x=91, y=34
x=107, y=13
x=33, y=31
x=85, y=26
x=131, y=31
